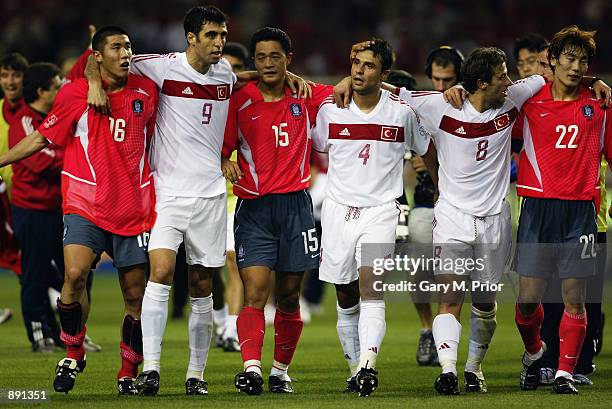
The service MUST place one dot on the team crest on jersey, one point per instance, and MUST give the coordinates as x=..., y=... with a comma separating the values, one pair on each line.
x=388, y=133
x=587, y=111
x=501, y=122
x=296, y=109
x=137, y=106
x=50, y=121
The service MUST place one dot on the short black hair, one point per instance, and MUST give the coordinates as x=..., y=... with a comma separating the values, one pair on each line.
x=197, y=16
x=383, y=51
x=533, y=42
x=237, y=50
x=401, y=78
x=270, y=34
x=443, y=56
x=14, y=61
x=38, y=75
x=99, y=39
x=481, y=65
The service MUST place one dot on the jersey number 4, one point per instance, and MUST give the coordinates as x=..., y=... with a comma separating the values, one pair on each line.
x=365, y=154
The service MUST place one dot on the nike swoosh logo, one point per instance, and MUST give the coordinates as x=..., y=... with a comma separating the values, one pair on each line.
x=315, y=255
x=255, y=117
x=545, y=114
x=570, y=357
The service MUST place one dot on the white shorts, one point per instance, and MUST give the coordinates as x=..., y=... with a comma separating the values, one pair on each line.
x=353, y=237
x=230, y=232
x=467, y=244
x=419, y=225
x=200, y=221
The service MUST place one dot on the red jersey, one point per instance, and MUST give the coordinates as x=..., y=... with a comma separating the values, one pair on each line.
x=37, y=179
x=106, y=176
x=9, y=111
x=10, y=256
x=562, y=145
x=273, y=140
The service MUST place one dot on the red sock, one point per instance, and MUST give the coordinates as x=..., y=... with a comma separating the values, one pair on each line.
x=74, y=344
x=287, y=331
x=251, y=326
x=529, y=327
x=572, y=331
x=130, y=360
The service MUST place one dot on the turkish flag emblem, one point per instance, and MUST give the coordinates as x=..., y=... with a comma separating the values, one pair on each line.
x=502, y=122
x=222, y=92
x=388, y=133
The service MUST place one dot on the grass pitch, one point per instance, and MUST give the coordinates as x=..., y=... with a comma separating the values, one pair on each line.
x=319, y=366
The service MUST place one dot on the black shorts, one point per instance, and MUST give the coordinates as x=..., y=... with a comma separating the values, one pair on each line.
x=125, y=250
x=277, y=231
x=557, y=238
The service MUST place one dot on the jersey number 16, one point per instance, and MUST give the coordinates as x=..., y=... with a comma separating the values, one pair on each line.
x=117, y=129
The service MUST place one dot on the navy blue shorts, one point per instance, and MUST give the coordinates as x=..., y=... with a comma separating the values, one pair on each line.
x=557, y=238
x=125, y=251
x=277, y=231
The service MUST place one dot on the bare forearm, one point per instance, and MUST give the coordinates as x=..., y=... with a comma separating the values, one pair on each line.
x=27, y=147
x=431, y=162
x=92, y=71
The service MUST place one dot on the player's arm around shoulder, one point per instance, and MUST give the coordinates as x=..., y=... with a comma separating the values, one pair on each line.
x=520, y=91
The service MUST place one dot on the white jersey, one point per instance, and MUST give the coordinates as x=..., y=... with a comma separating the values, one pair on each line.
x=191, y=116
x=473, y=147
x=366, y=151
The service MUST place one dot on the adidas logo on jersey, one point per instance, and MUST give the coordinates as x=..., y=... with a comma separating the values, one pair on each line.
x=460, y=130
x=345, y=132
x=187, y=91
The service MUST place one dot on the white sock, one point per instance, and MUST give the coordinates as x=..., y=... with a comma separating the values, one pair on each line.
x=252, y=365
x=219, y=318
x=279, y=369
x=563, y=374
x=447, y=332
x=482, y=327
x=153, y=320
x=372, y=328
x=348, y=333
x=200, y=333
x=230, y=327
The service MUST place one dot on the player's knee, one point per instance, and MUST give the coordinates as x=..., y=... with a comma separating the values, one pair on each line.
x=575, y=308
x=132, y=298
x=288, y=302
x=161, y=274
x=347, y=295
x=76, y=278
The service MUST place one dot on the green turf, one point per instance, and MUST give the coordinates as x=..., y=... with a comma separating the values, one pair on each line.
x=318, y=365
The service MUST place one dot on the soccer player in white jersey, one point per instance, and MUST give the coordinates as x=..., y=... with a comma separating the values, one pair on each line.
x=366, y=145
x=471, y=218
x=195, y=87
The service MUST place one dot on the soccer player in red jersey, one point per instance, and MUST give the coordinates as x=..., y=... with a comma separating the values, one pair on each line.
x=108, y=197
x=274, y=225
x=36, y=208
x=563, y=131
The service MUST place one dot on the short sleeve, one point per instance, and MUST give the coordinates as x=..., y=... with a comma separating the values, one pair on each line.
x=429, y=105
x=320, y=132
x=69, y=105
x=230, y=139
x=152, y=66
x=522, y=90
x=416, y=136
